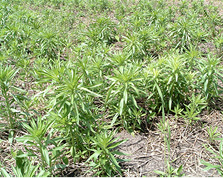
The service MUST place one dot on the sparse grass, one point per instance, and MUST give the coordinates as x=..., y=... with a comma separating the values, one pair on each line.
x=65, y=86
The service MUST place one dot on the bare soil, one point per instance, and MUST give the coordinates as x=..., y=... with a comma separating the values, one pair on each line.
x=147, y=151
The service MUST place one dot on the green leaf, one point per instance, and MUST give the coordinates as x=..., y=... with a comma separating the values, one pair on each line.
x=65, y=160
x=4, y=173
x=109, y=92
x=18, y=89
x=43, y=173
x=114, y=119
x=46, y=156
x=27, y=127
x=170, y=103
x=134, y=102
x=136, y=90
x=95, y=155
x=15, y=110
x=160, y=93
x=117, y=144
x=120, y=153
x=210, y=166
x=59, y=166
x=91, y=92
x=11, y=136
x=221, y=149
x=121, y=106
x=25, y=155
x=115, y=162
x=125, y=96
x=160, y=172
x=206, y=85
x=77, y=113
x=180, y=169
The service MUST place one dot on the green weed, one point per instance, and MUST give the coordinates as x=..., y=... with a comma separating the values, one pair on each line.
x=71, y=71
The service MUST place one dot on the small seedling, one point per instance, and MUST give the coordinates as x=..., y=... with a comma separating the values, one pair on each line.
x=217, y=155
x=213, y=134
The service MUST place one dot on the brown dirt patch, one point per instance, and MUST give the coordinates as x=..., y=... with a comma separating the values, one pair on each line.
x=147, y=151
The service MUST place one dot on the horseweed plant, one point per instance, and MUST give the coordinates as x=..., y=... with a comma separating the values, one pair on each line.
x=47, y=149
x=219, y=44
x=182, y=33
x=102, y=31
x=169, y=82
x=124, y=86
x=210, y=73
x=72, y=104
x=218, y=155
x=197, y=104
x=25, y=168
x=213, y=134
x=169, y=171
x=7, y=73
x=103, y=160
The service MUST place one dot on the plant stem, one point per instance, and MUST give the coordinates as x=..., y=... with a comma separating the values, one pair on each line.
x=9, y=116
